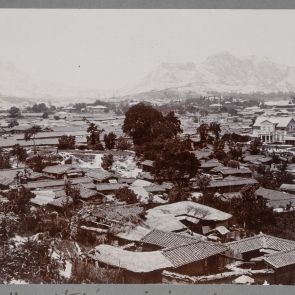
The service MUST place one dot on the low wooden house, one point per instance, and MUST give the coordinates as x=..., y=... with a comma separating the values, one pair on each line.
x=197, y=217
x=60, y=171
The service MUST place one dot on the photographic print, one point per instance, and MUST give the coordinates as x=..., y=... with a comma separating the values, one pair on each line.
x=147, y=146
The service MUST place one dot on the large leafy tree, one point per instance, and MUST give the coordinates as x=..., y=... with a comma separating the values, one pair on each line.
x=4, y=160
x=30, y=134
x=110, y=140
x=93, y=138
x=204, y=133
x=215, y=129
x=19, y=152
x=14, y=112
x=66, y=142
x=145, y=124
x=107, y=161
x=251, y=212
x=255, y=146
x=175, y=163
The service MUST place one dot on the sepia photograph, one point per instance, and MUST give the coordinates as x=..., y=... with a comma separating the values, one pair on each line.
x=147, y=146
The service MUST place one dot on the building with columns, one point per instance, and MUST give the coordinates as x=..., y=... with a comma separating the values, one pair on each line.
x=273, y=129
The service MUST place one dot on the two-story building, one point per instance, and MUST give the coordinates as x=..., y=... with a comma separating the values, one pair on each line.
x=273, y=129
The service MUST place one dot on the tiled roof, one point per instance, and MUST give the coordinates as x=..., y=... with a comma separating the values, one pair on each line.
x=167, y=239
x=163, y=221
x=259, y=242
x=113, y=212
x=61, y=169
x=6, y=180
x=280, y=259
x=194, y=252
x=157, y=188
x=192, y=209
x=287, y=187
x=279, y=121
x=230, y=181
x=139, y=262
x=86, y=193
x=148, y=163
x=109, y=186
x=275, y=198
x=56, y=183
x=99, y=174
x=232, y=171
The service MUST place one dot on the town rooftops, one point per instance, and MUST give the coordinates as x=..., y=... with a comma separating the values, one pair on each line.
x=230, y=181
x=115, y=213
x=7, y=176
x=280, y=259
x=257, y=159
x=163, y=221
x=194, y=210
x=56, y=183
x=148, y=163
x=168, y=239
x=143, y=262
x=210, y=164
x=261, y=241
x=133, y=233
x=190, y=253
x=139, y=262
x=232, y=171
x=61, y=169
x=99, y=174
x=275, y=198
x=287, y=187
x=106, y=187
x=278, y=121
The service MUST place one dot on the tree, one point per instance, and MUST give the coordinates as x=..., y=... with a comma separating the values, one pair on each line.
x=234, y=137
x=255, y=146
x=203, y=131
x=251, y=212
x=177, y=194
x=38, y=162
x=13, y=123
x=40, y=108
x=107, y=161
x=123, y=144
x=79, y=106
x=235, y=151
x=31, y=134
x=125, y=194
x=72, y=191
x=4, y=160
x=19, y=200
x=93, y=139
x=45, y=115
x=144, y=124
x=19, y=152
x=66, y=142
x=31, y=261
x=175, y=163
x=14, y=112
x=218, y=150
x=215, y=129
x=110, y=140
x=203, y=181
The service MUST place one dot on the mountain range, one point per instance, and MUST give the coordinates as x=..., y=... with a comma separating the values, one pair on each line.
x=221, y=72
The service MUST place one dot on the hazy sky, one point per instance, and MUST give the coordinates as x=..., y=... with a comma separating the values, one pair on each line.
x=114, y=48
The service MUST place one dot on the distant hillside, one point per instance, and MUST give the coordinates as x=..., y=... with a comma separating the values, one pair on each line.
x=222, y=73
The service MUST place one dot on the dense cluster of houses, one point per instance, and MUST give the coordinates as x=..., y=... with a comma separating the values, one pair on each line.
x=153, y=240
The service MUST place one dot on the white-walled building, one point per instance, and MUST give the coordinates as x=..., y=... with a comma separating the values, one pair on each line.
x=273, y=129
